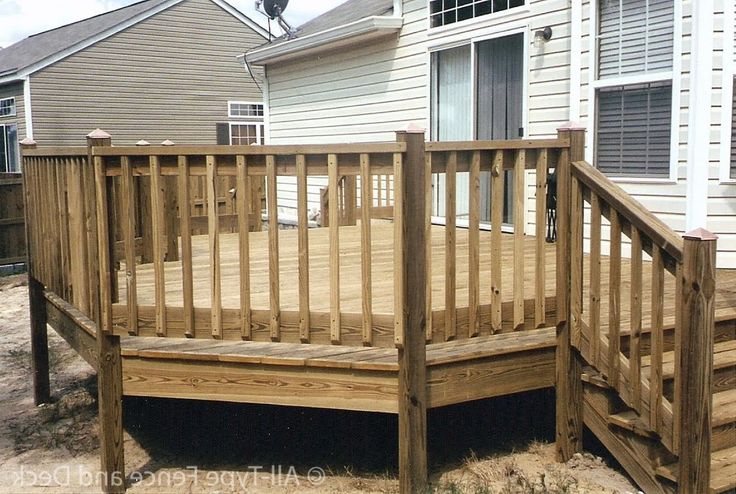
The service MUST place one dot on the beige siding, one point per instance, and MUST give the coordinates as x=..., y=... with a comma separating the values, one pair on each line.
x=15, y=90
x=167, y=77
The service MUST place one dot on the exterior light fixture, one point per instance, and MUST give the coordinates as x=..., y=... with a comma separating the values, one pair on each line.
x=542, y=36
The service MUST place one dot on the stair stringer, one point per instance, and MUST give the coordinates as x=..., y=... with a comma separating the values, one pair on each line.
x=634, y=452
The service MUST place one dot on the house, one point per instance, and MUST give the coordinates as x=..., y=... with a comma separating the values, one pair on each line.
x=652, y=81
x=154, y=70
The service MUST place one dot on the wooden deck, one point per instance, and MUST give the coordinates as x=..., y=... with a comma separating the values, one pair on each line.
x=382, y=285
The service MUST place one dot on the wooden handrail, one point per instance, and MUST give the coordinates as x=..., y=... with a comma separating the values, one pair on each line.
x=633, y=211
x=271, y=150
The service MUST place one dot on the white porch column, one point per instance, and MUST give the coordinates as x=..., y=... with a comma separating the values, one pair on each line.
x=699, y=122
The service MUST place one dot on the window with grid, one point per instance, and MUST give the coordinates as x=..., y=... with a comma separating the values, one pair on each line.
x=7, y=107
x=246, y=134
x=634, y=121
x=444, y=12
x=238, y=109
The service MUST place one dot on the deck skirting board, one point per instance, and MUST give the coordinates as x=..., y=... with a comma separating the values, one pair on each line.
x=344, y=389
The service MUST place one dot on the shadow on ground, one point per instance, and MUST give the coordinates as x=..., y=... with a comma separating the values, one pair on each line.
x=181, y=433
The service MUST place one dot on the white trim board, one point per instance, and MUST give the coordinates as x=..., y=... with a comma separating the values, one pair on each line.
x=728, y=74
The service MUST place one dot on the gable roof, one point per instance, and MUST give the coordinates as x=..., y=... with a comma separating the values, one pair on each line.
x=40, y=50
x=345, y=13
x=349, y=22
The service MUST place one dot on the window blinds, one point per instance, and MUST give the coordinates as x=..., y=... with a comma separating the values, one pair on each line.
x=635, y=37
x=633, y=137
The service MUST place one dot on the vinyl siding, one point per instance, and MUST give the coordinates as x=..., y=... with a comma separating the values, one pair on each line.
x=167, y=77
x=367, y=92
x=15, y=89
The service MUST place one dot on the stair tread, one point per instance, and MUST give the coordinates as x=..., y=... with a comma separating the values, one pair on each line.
x=722, y=467
x=631, y=421
x=724, y=355
x=724, y=407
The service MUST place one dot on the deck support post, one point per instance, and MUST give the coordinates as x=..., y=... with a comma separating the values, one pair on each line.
x=697, y=318
x=412, y=355
x=569, y=385
x=39, y=342
x=110, y=370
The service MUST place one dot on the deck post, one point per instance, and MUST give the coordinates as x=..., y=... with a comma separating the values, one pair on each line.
x=697, y=317
x=110, y=371
x=37, y=305
x=412, y=355
x=569, y=386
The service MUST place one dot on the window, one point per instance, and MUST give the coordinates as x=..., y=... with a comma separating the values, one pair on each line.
x=244, y=110
x=444, y=12
x=7, y=107
x=246, y=134
x=634, y=121
x=9, y=162
x=246, y=124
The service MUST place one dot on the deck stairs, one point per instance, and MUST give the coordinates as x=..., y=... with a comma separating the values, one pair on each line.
x=640, y=451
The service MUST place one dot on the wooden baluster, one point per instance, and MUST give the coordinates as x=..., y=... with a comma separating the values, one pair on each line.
x=128, y=220
x=366, y=203
x=213, y=224
x=614, y=301
x=474, y=248
x=497, y=200
x=676, y=408
x=273, y=248
x=450, y=246
x=540, y=292
x=334, y=235
x=159, y=245
x=576, y=263
x=595, y=279
x=428, y=237
x=303, y=233
x=399, y=294
x=243, y=203
x=657, y=340
x=185, y=230
x=635, y=335
x=103, y=242
x=519, y=182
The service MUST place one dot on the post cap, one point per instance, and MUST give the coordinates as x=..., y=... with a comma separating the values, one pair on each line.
x=572, y=126
x=700, y=234
x=167, y=142
x=413, y=128
x=142, y=143
x=98, y=134
x=28, y=142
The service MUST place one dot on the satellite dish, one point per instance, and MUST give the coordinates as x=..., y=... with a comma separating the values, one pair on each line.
x=274, y=8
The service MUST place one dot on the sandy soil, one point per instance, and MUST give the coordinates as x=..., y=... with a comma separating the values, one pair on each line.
x=53, y=448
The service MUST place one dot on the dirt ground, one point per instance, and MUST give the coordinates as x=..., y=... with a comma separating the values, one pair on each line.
x=239, y=448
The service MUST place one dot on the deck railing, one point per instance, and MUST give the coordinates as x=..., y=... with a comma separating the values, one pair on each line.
x=665, y=271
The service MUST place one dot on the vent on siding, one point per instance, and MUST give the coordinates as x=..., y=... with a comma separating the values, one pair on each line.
x=635, y=36
x=634, y=125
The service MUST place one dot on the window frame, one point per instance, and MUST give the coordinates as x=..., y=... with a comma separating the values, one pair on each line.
x=8, y=150
x=13, y=106
x=595, y=83
x=260, y=131
x=502, y=17
x=246, y=117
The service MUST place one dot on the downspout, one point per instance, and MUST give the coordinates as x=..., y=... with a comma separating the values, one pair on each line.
x=699, y=122
x=28, y=110
x=398, y=8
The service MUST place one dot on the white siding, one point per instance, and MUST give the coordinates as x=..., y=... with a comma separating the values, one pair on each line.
x=365, y=93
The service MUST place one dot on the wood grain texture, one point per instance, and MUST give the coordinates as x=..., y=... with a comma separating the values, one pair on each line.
x=334, y=230
x=474, y=248
x=497, y=201
x=244, y=199
x=214, y=240
x=451, y=247
x=157, y=238
x=366, y=270
x=519, y=175
x=274, y=270
x=540, y=282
